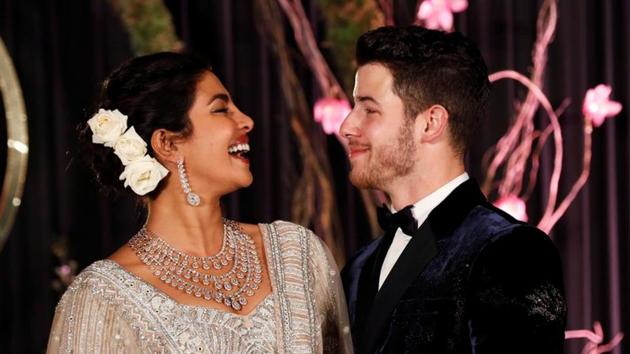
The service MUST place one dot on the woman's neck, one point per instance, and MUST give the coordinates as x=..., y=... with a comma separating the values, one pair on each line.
x=196, y=230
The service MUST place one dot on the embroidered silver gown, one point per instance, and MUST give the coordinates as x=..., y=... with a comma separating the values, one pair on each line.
x=109, y=310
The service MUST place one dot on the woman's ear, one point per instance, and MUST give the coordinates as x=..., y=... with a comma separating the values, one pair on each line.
x=434, y=122
x=164, y=144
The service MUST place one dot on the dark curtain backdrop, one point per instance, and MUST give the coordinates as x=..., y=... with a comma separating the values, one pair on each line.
x=63, y=49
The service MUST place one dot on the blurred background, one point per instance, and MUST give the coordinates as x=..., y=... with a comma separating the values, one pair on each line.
x=62, y=50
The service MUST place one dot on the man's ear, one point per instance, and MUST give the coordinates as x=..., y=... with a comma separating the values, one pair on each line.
x=434, y=121
x=164, y=144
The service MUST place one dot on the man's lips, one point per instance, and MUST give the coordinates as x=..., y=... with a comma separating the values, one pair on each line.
x=356, y=151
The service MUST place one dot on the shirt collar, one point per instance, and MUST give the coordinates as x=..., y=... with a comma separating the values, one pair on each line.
x=423, y=207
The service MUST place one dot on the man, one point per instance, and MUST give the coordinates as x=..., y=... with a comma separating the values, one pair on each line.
x=452, y=274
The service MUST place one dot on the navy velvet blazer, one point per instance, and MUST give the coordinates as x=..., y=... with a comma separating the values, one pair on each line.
x=471, y=280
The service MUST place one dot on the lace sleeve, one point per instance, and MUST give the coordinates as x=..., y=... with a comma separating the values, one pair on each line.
x=330, y=300
x=84, y=323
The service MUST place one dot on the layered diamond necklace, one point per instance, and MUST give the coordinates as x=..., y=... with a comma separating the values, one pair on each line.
x=191, y=274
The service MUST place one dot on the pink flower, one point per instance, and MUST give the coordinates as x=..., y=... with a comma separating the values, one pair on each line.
x=514, y=206
x=330, y=113
x=597, y=105
x=438, y=14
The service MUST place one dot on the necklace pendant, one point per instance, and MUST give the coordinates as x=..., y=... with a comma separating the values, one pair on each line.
x=236, y=305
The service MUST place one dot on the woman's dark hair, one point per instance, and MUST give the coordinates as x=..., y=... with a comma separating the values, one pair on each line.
x=154, y=91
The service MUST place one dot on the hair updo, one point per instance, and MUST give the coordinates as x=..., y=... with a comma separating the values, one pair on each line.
x=154, y=91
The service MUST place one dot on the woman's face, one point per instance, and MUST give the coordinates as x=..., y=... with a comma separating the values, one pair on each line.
x=214, y=154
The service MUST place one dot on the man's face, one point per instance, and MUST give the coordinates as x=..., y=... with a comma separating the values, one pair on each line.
x=380, y=137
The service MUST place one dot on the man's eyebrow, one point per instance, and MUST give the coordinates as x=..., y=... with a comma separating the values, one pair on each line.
x=366, y=99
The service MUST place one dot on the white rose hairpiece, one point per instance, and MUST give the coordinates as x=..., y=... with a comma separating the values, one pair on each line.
x=142, y=172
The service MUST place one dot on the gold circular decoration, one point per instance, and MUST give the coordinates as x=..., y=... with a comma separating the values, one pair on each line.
x=17, y=144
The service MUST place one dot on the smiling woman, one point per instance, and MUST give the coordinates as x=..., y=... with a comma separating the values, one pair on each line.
x=168, y=132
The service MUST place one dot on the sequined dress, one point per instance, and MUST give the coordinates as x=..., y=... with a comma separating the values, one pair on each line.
x=109, y=310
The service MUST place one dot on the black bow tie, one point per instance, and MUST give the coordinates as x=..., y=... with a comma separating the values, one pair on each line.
x=402, y=218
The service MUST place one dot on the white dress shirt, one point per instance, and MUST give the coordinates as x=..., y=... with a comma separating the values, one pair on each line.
x=421, y=210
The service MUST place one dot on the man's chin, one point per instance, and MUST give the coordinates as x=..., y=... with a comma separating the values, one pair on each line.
x=362, y=181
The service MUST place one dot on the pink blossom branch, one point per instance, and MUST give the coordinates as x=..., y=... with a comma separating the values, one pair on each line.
x=583, y=333
x=557, y=132
x=308, y=46
x=516, y=145
x=502, y=149
x=513, y=179
x=546, y=24
x=523, y=125
x=594, y=338
x=610, y=345
x=438, y=14
x=417, y=21
x=387, y=9
x=597, y=107
x=542, y=139
x=550, y=219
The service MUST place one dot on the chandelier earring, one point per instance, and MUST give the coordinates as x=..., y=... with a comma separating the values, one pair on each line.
x=192, y=198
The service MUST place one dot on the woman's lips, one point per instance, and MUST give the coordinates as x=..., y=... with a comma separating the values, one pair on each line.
x=241, y=158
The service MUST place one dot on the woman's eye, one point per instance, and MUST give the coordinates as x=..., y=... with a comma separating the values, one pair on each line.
x=370, y=111
x=220, y=110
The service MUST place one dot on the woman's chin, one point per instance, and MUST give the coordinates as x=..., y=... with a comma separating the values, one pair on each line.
x=243, y=181
x=248, y=181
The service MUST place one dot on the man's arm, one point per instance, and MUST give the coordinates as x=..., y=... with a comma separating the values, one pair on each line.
x=516, y=298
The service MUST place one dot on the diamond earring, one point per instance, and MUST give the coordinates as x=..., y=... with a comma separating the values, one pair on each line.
x=192, y=198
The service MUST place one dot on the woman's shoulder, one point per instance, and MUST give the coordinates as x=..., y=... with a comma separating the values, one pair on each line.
x=288, y=235
x=286, y=227
x=94, y=272
x=98, y=277
x=288, y=231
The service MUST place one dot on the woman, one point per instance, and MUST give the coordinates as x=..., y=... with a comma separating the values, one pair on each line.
x=190, y=280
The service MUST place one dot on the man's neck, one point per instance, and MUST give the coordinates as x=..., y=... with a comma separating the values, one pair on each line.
x=412, y=188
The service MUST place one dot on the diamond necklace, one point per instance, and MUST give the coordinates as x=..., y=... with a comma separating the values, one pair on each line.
x=191, y=275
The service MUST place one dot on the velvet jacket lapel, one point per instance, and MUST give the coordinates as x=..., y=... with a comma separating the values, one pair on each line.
x=368, y=282
x=420, y=250
x=442, y=222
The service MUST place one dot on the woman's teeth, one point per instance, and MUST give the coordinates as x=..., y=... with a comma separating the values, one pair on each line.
x=238, y=149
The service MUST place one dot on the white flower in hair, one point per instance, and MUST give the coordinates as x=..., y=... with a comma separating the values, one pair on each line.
x=143, y=174
x=107, y=126
x=130, y=147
